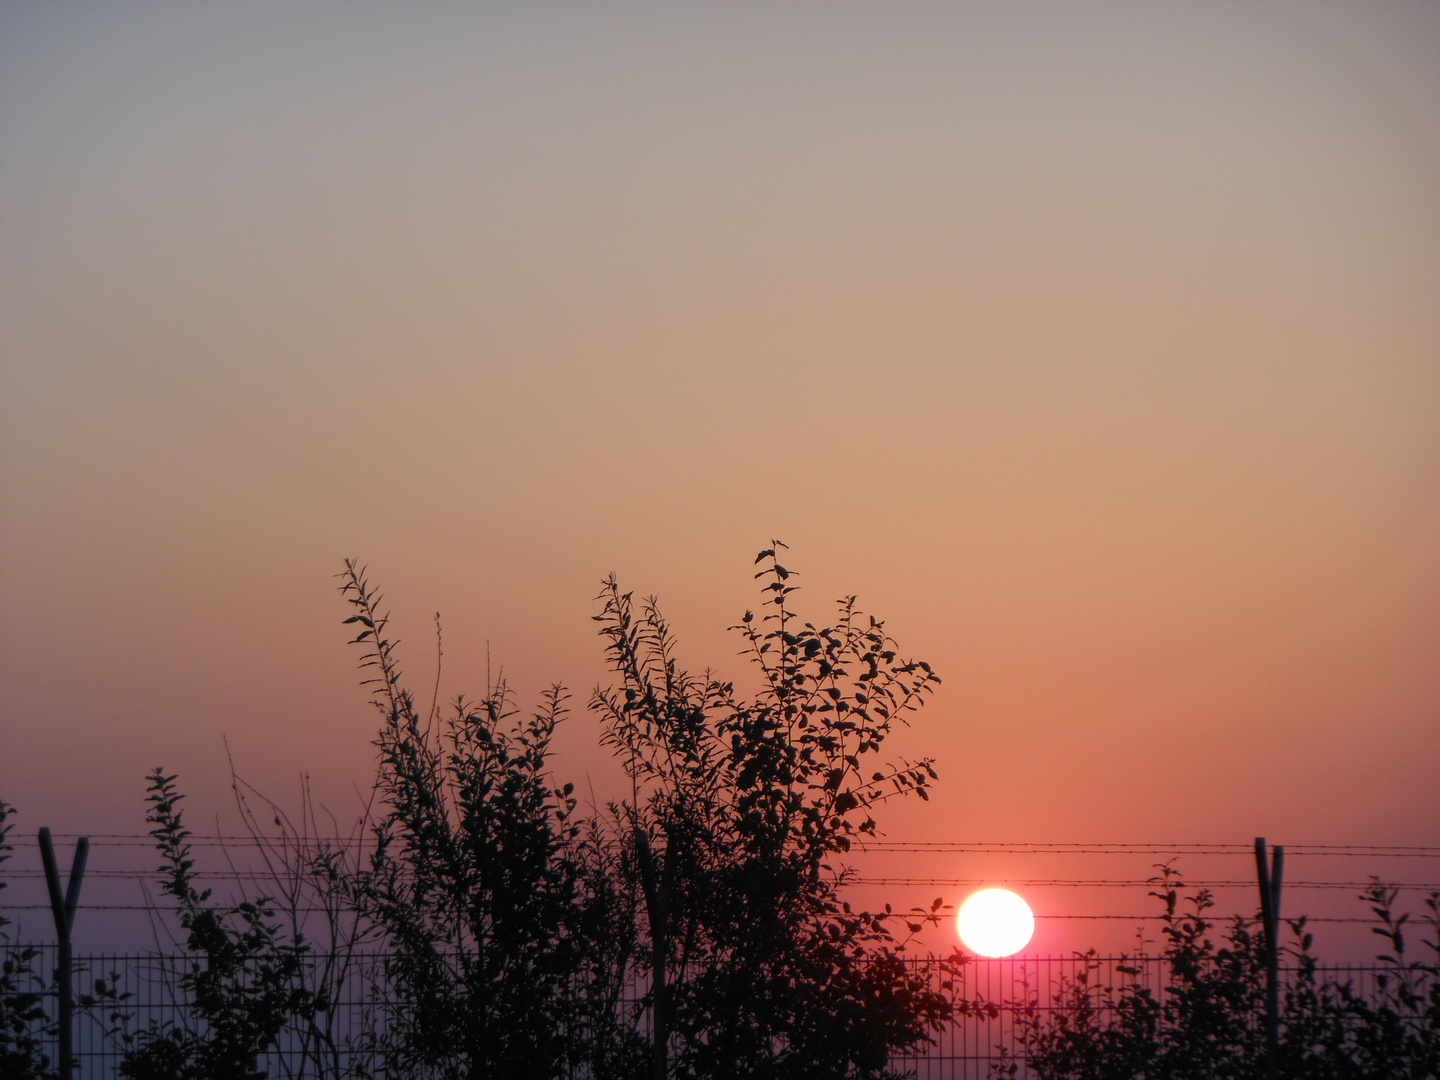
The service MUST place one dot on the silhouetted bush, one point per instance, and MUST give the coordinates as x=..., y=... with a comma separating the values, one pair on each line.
x=1207, y=1021
x=244, y=981
x=512, y=925
x=742, y=809
x=507, y=941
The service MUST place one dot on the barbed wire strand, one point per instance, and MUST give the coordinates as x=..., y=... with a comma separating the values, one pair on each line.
x=927, y=846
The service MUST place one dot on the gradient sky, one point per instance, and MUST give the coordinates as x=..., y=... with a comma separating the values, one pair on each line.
x=1096, y=347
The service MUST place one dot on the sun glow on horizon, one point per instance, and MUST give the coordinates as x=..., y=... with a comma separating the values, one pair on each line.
x=995, y=922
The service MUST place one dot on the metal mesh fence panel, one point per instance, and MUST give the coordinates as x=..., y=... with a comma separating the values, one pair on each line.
x=341, y=1041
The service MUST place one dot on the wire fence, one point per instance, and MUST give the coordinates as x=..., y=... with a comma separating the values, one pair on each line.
x=340, y=1041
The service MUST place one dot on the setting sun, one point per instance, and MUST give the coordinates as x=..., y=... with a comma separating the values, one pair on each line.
x=996, y=922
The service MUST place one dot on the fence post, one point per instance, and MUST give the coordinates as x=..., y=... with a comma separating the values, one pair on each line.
x=62, y=907
x=1270, y=878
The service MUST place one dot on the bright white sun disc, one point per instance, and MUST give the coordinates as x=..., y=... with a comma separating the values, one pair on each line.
x=995, y=922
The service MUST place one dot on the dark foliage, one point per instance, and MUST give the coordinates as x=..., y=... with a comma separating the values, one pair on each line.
x=506, y=939
x=22, y=1014
x=1207, y=1021
x=743, y=810
x=1390, y=1030
x=244, y=981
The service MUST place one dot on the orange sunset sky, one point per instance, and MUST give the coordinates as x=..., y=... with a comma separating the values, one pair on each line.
x=1096, y=347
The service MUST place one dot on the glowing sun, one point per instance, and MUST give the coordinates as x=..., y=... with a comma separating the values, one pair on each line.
x=995, y=922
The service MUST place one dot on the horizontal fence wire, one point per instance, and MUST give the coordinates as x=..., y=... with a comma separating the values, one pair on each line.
x=339, y=1043
x=967, y=882
x=1367, y=851
x=1136, y=918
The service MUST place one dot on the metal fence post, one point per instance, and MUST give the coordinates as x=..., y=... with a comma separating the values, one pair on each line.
x=62, y=907
x=1270, y=878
